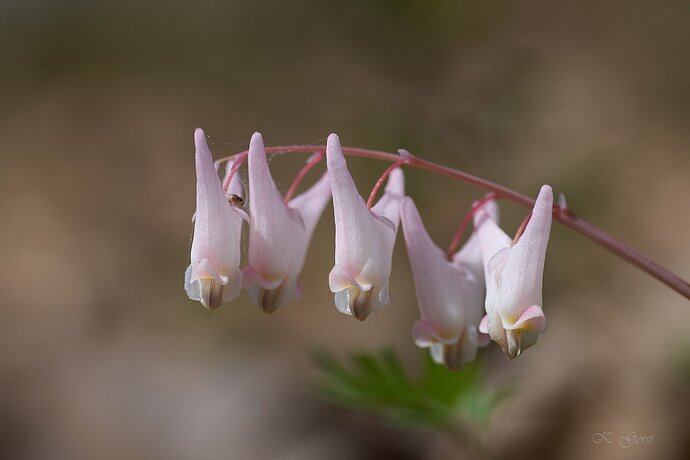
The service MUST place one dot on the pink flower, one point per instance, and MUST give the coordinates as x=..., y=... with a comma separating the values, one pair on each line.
x=279, y=233
x=514, y=317
x=364, y=238
x=450, y=294
x=213, y=277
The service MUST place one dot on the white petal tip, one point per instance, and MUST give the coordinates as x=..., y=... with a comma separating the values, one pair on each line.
x=532, y=319
x=489, y=210
x=484, y=325
x=354, y=302
x=396, y=182
x=405, y=154
x=425, y=334
x=200, y=138
x=342, y=302
x=546, y=193
x=256, y=138
x=562, y=203
x=333, y=149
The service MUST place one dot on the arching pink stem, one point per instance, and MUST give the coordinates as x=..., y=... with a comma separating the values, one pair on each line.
x=564, y=216
x=379, y=183
x=300, y=175
x=522, y=227
x=455, y=243
x=233, y=171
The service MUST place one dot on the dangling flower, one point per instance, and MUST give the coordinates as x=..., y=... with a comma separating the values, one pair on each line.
x=450, y=294
x=514, y=271
x=213, y=277
x=279, y=233
x=364, y=238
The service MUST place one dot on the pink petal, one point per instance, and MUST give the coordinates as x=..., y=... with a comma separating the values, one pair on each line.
x=364, y=238
x=215, y=253
x=310, y=204
x=438, y=285
x=484, y=325
x=425, y=334
x=235, y=187
x=450, y=299
x=279, y=234
x=278, y=240
x=388, y=206
x=532, y=319
x=521, y=276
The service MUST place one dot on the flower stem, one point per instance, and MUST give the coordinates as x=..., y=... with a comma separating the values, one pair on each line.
x=562, y=215
x=310, y=164
x=455, y=244
x=379, y=183
x=235, y=166
x=523, y=226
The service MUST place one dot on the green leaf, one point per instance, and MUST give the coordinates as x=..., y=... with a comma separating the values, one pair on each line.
x=381, y=385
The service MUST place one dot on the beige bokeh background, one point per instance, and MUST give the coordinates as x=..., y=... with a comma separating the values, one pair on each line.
x=102, y=356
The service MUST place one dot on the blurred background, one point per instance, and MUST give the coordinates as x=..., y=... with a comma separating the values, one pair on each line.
x=103, y=356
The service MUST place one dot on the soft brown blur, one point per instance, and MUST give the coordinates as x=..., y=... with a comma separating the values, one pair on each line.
x=102, y=356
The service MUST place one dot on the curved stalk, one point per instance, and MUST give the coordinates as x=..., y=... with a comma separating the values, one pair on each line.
x=379, y=183
x=310, y=164
x=562, y=215
x=455, y=243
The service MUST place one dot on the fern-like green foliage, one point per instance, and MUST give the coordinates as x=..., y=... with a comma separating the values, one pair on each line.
x=436, y=399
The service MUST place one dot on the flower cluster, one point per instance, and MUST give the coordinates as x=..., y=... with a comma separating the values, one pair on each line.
x=490, y=289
